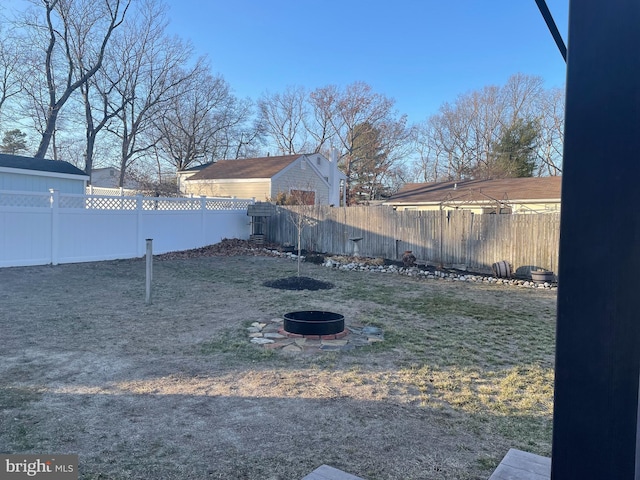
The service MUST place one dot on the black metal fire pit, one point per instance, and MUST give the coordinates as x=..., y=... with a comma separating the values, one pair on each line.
x=313, y=322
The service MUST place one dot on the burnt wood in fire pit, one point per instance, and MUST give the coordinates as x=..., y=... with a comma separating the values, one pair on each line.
x=313, y=322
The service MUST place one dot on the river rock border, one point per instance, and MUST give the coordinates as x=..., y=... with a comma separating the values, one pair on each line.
x=426, y=273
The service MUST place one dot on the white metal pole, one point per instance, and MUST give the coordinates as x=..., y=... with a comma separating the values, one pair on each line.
x=149, y=270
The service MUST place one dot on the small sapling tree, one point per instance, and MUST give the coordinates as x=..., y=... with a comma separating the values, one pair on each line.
x=302, y=215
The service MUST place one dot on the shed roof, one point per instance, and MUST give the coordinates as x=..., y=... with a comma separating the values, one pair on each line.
x=263, y=167
x=38, y=164
x=524, y=188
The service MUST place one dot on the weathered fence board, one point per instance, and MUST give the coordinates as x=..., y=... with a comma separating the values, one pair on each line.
x=438, y=237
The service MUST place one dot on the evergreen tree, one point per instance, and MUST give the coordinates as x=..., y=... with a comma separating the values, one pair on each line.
x=514, y=154
x=13, y=142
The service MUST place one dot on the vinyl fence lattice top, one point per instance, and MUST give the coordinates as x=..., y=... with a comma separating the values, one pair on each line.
x=120, y=202
x=25, y=199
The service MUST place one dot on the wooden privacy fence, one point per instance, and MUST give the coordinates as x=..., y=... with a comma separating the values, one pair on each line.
x=438, y=237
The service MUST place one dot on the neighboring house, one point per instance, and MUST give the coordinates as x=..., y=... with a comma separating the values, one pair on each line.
x=504, y=195
x=109, y=177
x=312, y=176
x=39, y=175
x=183, y=175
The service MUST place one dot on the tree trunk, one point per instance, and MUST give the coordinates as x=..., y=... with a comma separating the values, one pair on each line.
x=48, y=134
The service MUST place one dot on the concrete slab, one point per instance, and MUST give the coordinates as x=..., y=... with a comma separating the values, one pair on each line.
x=519, y=465
x=325, y=472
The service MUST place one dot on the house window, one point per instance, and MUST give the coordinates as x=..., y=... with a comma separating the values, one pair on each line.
x=303, y=197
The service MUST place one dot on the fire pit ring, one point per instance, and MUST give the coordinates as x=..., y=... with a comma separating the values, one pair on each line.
x=313, y=322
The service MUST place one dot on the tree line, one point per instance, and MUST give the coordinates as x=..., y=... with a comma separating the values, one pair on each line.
x=103, y=83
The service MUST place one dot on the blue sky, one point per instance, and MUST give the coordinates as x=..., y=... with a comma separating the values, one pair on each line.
x=421, y=53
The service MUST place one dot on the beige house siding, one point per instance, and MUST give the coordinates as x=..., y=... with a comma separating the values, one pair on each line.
x=260, y=190
x=516, y=207
x=181, y=177
x=301, y=176
x=538, y=207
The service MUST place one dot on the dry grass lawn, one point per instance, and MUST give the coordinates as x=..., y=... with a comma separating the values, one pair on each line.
x=174, y=390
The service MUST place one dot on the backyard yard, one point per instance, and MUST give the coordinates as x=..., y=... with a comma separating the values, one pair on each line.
x=176, y=390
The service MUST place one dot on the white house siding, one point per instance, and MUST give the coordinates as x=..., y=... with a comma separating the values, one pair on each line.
x=297, y=177
x=36, y=181
x=258, y=189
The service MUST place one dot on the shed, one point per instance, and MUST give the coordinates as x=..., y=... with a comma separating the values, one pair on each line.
x=30, y=174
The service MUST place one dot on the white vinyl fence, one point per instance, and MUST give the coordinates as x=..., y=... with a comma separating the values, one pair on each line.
x=51, y=228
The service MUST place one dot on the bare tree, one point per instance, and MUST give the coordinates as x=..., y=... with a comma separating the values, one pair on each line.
x=284, y=117
x=358, y=105
x=246, y=139
x=552, y=132
x=151, y=69
x=522, y=95
x=464, y=134
x=203, y=122
x=454, y=135
x=428, y=166
x=11, y=78
x=302, y=199
x=298, y=122
x=75, y=36
x=99, y=109
x=320, y=123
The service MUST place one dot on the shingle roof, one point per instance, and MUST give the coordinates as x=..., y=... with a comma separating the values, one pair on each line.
x=196, y=168
x=38, y=164
x=512, y=189
x=264, y=167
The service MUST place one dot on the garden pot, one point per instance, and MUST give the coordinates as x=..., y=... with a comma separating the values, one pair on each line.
x=542, y=276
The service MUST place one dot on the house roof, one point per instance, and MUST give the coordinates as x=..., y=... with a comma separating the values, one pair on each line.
x=509, y=189
x=196, y=168
x=38, y=164
x=264, y=167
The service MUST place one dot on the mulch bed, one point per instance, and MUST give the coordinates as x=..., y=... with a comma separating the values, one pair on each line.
x=298, y=283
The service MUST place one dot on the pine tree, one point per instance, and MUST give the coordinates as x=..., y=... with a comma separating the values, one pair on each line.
x=13, y=142
x=514, y=154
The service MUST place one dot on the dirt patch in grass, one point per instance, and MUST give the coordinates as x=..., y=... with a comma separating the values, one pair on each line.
x=175, y=389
